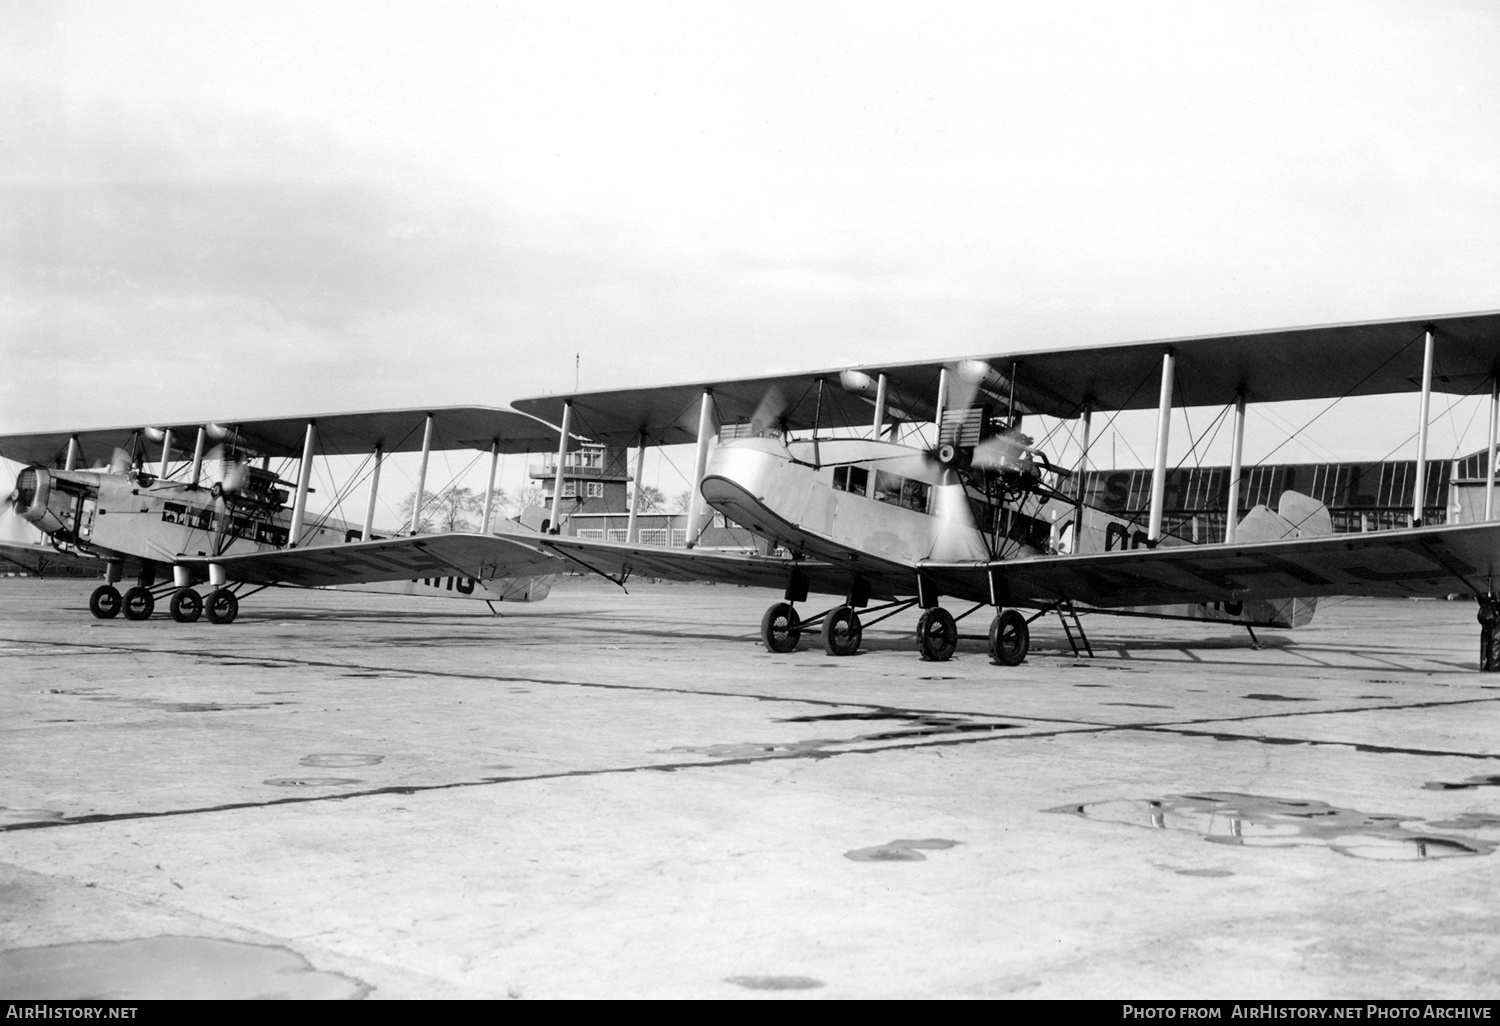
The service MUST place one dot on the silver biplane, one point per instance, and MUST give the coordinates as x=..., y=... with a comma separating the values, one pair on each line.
x=978, y=514
x=204, y=506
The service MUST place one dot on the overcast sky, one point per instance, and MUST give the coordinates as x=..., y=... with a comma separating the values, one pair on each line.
x=229, y=210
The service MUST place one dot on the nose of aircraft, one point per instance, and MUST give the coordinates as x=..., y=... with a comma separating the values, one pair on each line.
x=741, y=479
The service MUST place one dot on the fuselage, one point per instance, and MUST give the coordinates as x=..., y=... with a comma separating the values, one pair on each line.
x=848, y=500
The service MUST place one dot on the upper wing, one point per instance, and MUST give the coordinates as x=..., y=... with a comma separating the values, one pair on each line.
x=1425, y=561
x=1369, y=358
x=455, y=427
x=480, y=556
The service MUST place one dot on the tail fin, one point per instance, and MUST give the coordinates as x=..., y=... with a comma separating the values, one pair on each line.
x=1296, y=516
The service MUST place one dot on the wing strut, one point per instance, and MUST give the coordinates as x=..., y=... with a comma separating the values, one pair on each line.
x=304, y=478
x=1236, y=467
x=632, y=524
x=553, y=525
x=1159, y=468
x=624, y=575
x=1489, y=459
x=700, y=465
x=1419, y=493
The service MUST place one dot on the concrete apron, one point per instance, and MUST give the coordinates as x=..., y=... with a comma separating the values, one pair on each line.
x=609, y=795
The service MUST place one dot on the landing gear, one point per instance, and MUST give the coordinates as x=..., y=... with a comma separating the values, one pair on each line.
x=781, y=628
x=1489, y=634
x=105, y=602
x=139, y=603
x=186, y=606
x=842, y=631
x=937, y=634
x=222, y=606
x=1010, y=638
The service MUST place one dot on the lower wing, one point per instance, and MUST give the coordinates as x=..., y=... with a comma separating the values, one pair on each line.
x=1396, y=564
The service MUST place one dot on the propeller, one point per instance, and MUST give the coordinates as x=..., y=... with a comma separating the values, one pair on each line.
x=119, y=462
x=12, y=493
x=955, y=536
x=770, y=413
x=228, y=471
x=1006, y=452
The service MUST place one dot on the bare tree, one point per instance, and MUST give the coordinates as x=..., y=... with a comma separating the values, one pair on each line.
x=452, y=509
x=651, y=500
x=531, y=495
x=683, y=502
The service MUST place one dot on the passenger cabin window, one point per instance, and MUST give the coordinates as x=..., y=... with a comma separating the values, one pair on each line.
x=851, y=479
x=901, y=491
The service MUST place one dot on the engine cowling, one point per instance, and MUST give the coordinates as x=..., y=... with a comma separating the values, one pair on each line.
x=32, y=499
x=50, y=502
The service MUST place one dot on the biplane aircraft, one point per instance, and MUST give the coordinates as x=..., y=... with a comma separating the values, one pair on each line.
x=817, y=465
x=210, y=502
x=979, y=514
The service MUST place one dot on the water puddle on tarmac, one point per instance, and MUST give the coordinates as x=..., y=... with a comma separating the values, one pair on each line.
x=340, y=760
x=923, y=725
x=900, y=850
x=173, y=968
x=87, y=694
x=1463, y=785
x=775, y=982
x=1255, y=821
x=1467, y=821
x=9, y=816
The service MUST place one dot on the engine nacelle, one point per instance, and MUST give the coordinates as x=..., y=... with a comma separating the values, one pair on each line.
x=43, y=498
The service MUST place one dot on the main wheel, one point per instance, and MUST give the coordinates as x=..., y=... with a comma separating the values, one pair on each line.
x=139, y=603
x=1010, y=638
x=841, y=632
x=222, y=606
x=781, y=628
x=937, y=634
x=105, y=602
x=186, y=605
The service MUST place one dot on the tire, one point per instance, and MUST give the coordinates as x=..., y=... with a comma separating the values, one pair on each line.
x=139, y=604
x=186, y=606
x=1010, y=638
x=222, y=606
x=105, y=602
x=937, y=635
x=841, y=632
x=780, y=628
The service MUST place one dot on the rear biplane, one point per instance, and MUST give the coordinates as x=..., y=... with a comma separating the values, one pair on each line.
x=180, y=506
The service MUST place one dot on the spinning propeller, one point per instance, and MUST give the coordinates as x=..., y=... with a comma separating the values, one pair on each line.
x=227, y=470
x=770, y=414
x=12, y=494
